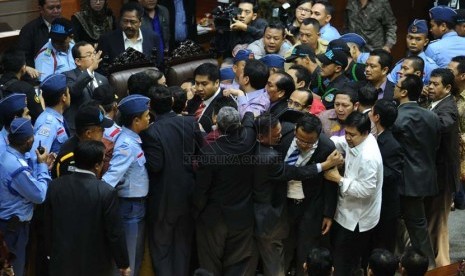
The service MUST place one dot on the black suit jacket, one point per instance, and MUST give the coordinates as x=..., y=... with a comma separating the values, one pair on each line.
x=86, y=231
x=418, y=132
x=448, y=158
x=80, y=90
x=112, y=44
x=389, y=91
x=391, y=152
x=206, y=119
x=32, y=38
x=224, y=180
x=279, y=107
x=169, y=145
x=320, y=195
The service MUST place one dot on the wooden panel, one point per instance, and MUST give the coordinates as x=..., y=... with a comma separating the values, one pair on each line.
x=69, y=7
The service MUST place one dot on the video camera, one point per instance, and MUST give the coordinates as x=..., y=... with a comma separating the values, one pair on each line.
x=282, y=14
x=223, y=15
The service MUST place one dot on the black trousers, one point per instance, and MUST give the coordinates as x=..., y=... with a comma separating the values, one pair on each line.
x=348, y=247
x=224, y=251
x=170, y=244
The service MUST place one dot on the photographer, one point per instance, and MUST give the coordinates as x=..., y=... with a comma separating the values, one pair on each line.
x=244, y=29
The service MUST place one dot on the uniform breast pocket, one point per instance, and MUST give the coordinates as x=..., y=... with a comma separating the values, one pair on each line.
x=141, y=159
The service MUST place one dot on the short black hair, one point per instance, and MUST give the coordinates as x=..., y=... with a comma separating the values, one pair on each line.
x=208, y=69
x=385, y=58
x=461, y=63
x=265, y=122
x=253, y=2
x=449, y=25
x=6, y=119
x=329, y=8
x=140, y=83
x=75, y=51
x=286, y=83
x=367, y=95
x=382, y=262
x=387, y=111
x=179, y=98
x=309, y=123
x=319, y=262
x=132, y=6
x=313, y=22
x=350, y=90
x=155, y=74
x=302, y=74
x=88, y=153
x=360, y=121
x=275, y=24
x=161, y=99
x=446, y=75
x=222, y=102
x=418, y=63
x=126, y=120
x=413, y=84
x=13, y=60
x=414, y=262
x=257, y=72
x=309, y=93
x=52, y=99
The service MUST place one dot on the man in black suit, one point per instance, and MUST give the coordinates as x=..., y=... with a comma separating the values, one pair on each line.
x=279, y=88
x=86, y=231
x=378, y=66
x=437, y=210
x=223, y=196
x=418, y=132
x=189, y=22
x=383, y=115
x=131, y=34
x=207, y=91
x=83, y=79
x=311, y=203
x=168, y=144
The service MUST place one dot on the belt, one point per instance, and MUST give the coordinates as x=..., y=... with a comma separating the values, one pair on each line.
x=134, y=199
x=295, y=201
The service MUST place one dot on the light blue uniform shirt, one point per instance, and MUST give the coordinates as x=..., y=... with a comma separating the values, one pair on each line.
x=362, y=58
x=127, y=172
x=430, y=65
x=443, y=50
x=112, y=133
x=3, y=140
x=50, y=129
x=50, y=61
x=19, y=189
x=328, y=33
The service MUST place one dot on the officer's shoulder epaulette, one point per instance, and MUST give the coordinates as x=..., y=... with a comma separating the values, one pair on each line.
x=434, y=41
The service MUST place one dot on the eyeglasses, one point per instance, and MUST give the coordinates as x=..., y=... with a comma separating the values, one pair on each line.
x=302, y=9
x=89, y=55
x=303, y=143
x=294, y=104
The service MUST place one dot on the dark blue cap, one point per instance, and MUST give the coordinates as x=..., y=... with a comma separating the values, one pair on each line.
x=339, y=44
x=21, y=128
x=227, y=73
x=273, y=60
x=54, y=84
x=61, y=28
x=442, y=13
x=134, y=104
x=418, y=26
x=301, y=50
x=460, y=17
x=334, y=56
x=244, y=54
x=12, y=104
x=354, y=38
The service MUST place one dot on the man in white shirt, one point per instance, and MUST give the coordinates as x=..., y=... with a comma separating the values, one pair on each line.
x=359, y=203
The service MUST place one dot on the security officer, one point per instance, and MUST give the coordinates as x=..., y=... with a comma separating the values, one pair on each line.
x=21, y=186
x=127, y=173
x=50, y=127
x=417, y=39
x=447, y=44
x=55, y=56
x=274, y=62
x=356, y=44
x=12, y=106
x=354, y=71
x=89, y=122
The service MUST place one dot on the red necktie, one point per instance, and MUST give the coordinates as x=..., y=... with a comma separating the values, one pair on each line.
x=199, y=111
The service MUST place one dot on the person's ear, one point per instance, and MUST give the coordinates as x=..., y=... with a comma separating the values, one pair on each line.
x=305, y=266
x=254, y=16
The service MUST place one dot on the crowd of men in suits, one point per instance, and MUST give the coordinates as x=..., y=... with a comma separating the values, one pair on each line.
x=246, y=167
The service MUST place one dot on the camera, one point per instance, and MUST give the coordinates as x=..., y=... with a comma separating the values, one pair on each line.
x=223, y=15
x=282, y=14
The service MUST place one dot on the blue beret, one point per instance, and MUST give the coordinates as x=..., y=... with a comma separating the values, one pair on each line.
x=442, y=13
x=12, y=104
x=244, y=54
x=418, y=26
x=134, y=104
x=354, y=38
x=227, y=73
x=53, y=84
x=61, y=28
x=273, y=60
x=21, y=128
